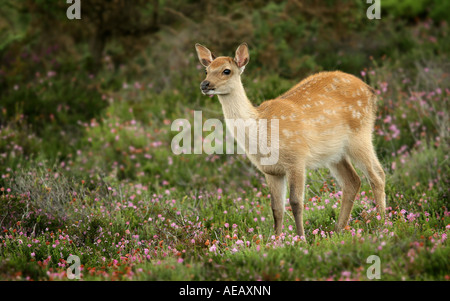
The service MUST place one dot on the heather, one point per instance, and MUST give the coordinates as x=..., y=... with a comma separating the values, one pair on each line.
x=87, y=167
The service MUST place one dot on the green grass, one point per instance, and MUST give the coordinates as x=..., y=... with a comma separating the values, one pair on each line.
x=101, y=182
x=176, y=237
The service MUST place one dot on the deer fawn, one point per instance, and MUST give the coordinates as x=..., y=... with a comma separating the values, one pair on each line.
x=326, y=120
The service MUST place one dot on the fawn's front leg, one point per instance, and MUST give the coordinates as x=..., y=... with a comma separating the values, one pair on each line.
x=296, y=195
x=277, y=185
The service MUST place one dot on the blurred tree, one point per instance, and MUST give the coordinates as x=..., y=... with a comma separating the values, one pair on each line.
x=124, y=21
x=117, y=19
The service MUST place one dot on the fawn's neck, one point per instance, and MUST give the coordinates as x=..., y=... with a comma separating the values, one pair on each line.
x=237, y=108
x=236, y=105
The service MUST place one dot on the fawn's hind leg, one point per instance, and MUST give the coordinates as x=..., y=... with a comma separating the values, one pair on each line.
x=367, y=161
x=350, y=183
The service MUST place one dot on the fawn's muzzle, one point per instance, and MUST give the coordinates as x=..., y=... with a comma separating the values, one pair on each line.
x=205, y=85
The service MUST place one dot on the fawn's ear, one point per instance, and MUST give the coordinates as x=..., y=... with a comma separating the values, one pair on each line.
x=205, y=56
x=242, y=56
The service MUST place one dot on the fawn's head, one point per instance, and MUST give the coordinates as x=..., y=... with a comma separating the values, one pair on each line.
x=222, y=73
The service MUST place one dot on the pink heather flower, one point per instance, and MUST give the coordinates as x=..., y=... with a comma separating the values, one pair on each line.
x=411, y=217
x=315, y=231
x=33, y=254
x=227, y=225
x=346, y=274
x=180, y=260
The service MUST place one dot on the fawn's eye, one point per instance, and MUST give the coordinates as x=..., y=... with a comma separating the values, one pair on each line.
x=206, y=72
x=227, y=71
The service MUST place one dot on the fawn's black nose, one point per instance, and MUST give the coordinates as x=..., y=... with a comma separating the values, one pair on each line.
x=204, y=85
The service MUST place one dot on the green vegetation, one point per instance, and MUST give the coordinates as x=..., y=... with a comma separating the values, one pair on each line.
x=85, y=142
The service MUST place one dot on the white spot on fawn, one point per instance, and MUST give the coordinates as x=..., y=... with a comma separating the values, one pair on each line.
x=286, y=133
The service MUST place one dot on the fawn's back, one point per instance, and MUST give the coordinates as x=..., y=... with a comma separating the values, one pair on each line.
x=321, y=118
